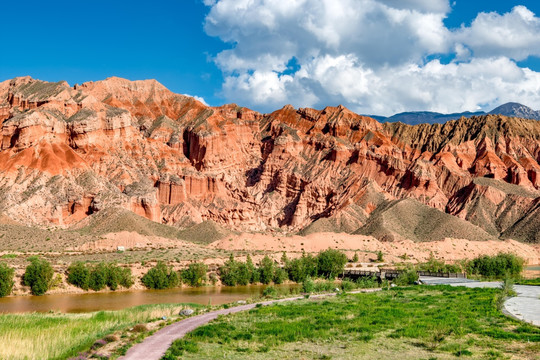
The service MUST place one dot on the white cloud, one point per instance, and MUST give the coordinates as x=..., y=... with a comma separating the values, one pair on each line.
x=370, y=55
x=515, y=34
x=198, y=98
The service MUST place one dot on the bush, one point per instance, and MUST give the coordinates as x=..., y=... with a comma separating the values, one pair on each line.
x=367, y=282
x=78, y=275
x=236, y=273
x=266, y=270
x=270, y=291
x=498, y=266
x=408, y=277
x=280, y=275
x=98, y=277
x=178, y=347
x=355, y=258
x=160, y=276
x=299, y=269
x=253, y=273
x=347, y=285
x=195, y=274
x=228, y=272
x=308, y=286
x=6, y=279
x=331, y=263
x=380, y=257
x=433, y=265
x=38, y=275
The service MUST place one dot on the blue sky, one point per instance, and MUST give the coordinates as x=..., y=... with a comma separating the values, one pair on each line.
x=242, y=57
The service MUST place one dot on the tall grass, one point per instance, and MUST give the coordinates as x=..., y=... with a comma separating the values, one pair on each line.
x=59, y=336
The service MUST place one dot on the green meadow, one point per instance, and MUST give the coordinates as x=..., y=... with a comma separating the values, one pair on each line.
x=419, y=322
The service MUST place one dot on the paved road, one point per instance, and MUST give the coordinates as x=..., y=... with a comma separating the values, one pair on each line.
x=155, y=346
x=525, y=306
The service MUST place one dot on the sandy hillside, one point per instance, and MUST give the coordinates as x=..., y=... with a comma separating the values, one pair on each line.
x=366, y=246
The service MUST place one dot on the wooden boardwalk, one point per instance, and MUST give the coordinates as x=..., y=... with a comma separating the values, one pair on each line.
x=391, y=274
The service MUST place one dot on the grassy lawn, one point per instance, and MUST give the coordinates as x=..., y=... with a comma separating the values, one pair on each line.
x=60, y=336
x=420, y=322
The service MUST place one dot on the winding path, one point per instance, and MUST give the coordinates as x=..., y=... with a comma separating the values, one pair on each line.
x=155, y=346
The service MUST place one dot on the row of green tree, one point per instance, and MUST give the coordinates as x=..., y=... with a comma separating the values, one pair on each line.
x=327, y=264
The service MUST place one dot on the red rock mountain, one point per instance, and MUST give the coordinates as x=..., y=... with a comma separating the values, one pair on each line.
x=67, y=153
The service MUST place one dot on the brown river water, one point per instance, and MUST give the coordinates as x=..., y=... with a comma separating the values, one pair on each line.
x=79, y=303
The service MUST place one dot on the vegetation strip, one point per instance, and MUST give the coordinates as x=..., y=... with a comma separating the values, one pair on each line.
x=155, y=346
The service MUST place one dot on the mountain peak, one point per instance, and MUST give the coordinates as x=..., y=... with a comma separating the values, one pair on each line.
x=516, y=110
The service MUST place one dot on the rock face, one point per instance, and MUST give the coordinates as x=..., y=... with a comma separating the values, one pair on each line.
x=67, y=153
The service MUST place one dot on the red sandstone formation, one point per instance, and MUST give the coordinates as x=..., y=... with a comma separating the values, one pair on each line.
x=69, y=152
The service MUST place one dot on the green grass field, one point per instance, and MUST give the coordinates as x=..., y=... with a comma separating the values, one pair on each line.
x=60, y=336
x=404, y=323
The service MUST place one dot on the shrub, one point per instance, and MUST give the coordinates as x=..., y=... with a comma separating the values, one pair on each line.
x=117, y=275
x=367, y=282
x=308, y=285
x=355, y=258
x=101, y=275
x=299, y=269
x=380, y=257
x=160, y=276
x=266, y=270
x=270, y=291
x=330, y=263
x=38, y=275
x=178, y=348
x=6, y=279
x=433, y=265
x=253, y=273
x=280, y=275
x=140, y=328
x=499, y=266
x=78, y=275
x=347, y=285
x=408, y=277
x=98, y=277
x=228, y=272
x=195, y=274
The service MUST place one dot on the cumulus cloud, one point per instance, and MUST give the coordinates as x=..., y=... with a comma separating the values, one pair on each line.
x=198, y=98
x=371, y=55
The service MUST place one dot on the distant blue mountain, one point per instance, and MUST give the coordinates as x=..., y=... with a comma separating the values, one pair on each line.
x=428, y=117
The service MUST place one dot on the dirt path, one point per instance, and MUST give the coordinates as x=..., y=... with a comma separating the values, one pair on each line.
x=155, y=346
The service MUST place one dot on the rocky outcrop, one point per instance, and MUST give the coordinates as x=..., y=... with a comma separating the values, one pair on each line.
x=67, y=153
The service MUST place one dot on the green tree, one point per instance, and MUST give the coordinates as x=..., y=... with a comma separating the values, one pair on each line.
x=355, y=258
x=98, y=277
x=160, y=276
x=280, y=275
x=79, y=275
x=331, y=263
x=380, y=256
x=266, y=270
x=300, y=268
x=228, y=273
x=243, y=275
x=195, y=274
x=6, y=279
x=254, y=274
x=284, y=259
x=38, y=275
